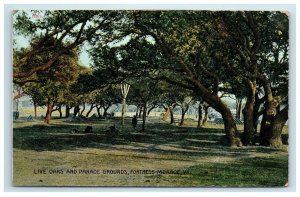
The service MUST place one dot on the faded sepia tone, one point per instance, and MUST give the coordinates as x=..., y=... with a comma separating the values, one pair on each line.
x=150, y=98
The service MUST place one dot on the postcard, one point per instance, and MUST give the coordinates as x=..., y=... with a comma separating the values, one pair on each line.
x=150, y=98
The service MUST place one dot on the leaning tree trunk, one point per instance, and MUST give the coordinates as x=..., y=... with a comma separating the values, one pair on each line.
x=83, y=108
x=48, y=113
x=199, y=115
x=150, y=109
x=144, y=116
x=231, y=131
x=98, y=111
x=90, y=110
x=105, y=111
x=249, y=131
x=230, y=128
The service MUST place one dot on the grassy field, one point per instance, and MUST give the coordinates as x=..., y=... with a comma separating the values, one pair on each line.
x=164, y=155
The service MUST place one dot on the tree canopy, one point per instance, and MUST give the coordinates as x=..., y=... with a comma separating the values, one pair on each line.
x=201, y=54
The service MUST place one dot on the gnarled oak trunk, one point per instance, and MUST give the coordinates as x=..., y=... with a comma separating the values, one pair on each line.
x=249, y=130
x=231, y=131
x=48, y=113
x=270, y=134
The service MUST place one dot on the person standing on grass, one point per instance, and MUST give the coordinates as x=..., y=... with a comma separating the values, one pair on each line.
x=134, y=121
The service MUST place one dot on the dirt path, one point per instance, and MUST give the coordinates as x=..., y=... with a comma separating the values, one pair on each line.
x=119, y=166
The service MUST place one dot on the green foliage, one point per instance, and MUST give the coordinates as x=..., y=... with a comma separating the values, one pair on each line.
x=53, y=85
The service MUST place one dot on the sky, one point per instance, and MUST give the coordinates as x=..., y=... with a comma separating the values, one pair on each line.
x=23, y=42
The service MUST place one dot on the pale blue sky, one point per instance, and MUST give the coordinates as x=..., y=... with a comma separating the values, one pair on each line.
x=21, y=41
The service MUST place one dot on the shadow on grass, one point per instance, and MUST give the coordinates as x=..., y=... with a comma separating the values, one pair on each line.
x=244, y=172
x=159, y=138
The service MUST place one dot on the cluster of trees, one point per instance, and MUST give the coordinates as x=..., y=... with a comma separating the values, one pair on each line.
x=168, y=58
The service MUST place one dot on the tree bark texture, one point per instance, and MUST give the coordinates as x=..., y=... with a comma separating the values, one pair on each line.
x=48, y=113
x=249, y=131
x=271, y=131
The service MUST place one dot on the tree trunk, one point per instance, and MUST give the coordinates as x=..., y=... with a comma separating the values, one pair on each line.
x=150, y=109
x=199, y=115
x=231, y=131
x=98, y=111
x=59, y=111
x=183, y=111
x=123, y=110
x=105, y=111
x=83, y=108
x=230, y=128
x=144, y=116
x=171, y=115
x=35, y=110
x=68, y=108
x=76, y=110
x=90, y=110
x=273, y=122
x=206, y=107
x=137, y=111
x=249, y=131
x=48, y=113
x=276, y=128
x=140, y=111
x=271, y=131
x=210, y=97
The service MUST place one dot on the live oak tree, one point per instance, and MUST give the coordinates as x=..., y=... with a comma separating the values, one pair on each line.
x=208, y=53
x=174, y=46
x=186, y=40
x=185, y=104
x=274, y=79
x=146, y=92
x=261, y=41
x=57, y=33
x=51, y=87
